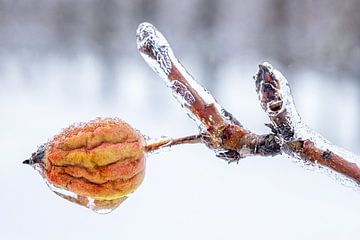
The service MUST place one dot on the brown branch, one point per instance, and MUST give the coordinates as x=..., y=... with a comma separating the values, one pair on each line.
x=219, y=130
x=223, y=133
x=158, y=54
x=308, y=151
x=169, y=142
x=300, y=141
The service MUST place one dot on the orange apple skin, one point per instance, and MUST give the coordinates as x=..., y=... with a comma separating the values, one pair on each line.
x=103, y=159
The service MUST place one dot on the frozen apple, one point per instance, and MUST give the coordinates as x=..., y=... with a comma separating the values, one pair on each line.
x=95, y=164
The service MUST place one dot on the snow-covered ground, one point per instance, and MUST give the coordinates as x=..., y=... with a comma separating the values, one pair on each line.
x=188, y=193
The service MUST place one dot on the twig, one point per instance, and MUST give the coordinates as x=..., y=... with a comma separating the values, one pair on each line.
x=99, y=163
x=224, y=134
x=169, y=142
x=300, y=141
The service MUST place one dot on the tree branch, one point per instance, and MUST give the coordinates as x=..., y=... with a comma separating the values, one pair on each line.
x=299, y=140
x=166, y=142
x=97, y=164
x=224, y=134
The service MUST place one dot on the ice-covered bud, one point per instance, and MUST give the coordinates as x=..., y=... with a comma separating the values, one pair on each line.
x=154, y=48
x=96, y=164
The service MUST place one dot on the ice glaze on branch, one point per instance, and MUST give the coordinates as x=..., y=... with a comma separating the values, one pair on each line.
x=157, y=53
x=220, y=130
x=99, y=163
x=300, y=141
x=224, y=134
x=169, y=142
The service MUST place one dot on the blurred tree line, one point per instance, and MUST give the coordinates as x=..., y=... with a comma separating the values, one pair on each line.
x=320, y=34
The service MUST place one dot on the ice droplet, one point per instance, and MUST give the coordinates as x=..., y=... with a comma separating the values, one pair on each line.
x=101, y=206
x=98, y=206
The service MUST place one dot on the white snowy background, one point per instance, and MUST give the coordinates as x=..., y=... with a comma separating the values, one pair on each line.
x=57, y=67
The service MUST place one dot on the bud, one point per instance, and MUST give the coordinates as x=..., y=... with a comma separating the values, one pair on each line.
x=95, y=164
